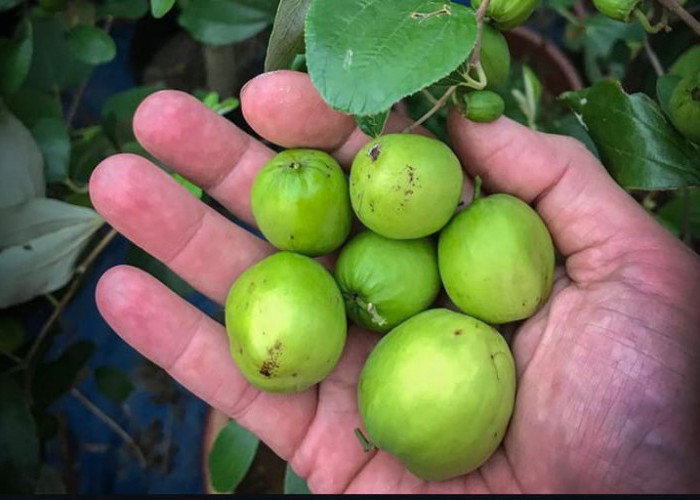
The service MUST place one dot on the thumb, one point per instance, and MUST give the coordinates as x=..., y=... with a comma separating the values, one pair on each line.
x=593, y=221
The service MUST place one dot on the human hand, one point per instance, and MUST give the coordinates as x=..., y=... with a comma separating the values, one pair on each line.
x=608, y=375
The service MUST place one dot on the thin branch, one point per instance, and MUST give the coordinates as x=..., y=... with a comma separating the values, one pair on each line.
x=682, y=14
x=107, y=420
x=480, y=13
x=430, y=97
x=18, y=361
x=653, y=58
x=438, y=104
x=79, y=271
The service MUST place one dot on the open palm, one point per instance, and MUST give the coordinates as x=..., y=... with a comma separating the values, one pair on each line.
x=608, y=371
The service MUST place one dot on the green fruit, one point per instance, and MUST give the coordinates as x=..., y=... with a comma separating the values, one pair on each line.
x=483, y=106
x=684, y=107
x=300, y=202
x=495, y=57
x=508, y=14
x=405, y=186
x=688, y=63
x=286, y=323
x=620, y=10
x=385, y=281
x=437, y=392
x=496, y=259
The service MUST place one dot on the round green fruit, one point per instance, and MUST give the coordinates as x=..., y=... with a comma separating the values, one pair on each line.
x=483, y=106
x=620, y=10
x=508, y=14
x=385, y=281
x=437, y=392
x=405, y=186
x=286, y=323
x=496, y=259
x=688, y=63
x=684, y=107
x=300, y=202
x=494, y=57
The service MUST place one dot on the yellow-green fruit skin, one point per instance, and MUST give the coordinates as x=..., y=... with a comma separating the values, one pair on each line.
x=508, y=14
x=405, y=186
x=684, y=107
x=620, y=10
x=688, y=63
x=438, y=392
x=300, y=202
x=398, y=278
x=496, y=259
x=494, y=57
x=286, y=324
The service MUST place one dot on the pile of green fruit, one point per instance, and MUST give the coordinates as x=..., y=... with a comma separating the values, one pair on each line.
x=439, y=387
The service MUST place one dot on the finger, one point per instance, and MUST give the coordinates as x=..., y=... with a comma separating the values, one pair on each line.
x=151, y=209
x=581, y=204
x=202, y=146
x=286, y=109
x=194, y=350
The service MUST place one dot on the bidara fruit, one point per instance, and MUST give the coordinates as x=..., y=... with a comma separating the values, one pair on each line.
x=508, y=14
x=688, y=63
x=286, y=323
x=620, y=10
x=385, y=281
x=684, y=107
x=494, y=57
x=300, y=202
x=496, y=259
x=405, y=186
x=438, y=392
x=483, y=106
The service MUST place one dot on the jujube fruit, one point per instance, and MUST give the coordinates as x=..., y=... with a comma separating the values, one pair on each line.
x=437, y=392
x=483, y=106
x=620, y=10
x=684, y=107
x=286, y=323
x=508, y=14
x=386, y=281
x=300, y=202
x=496, y=259
x=405, y=186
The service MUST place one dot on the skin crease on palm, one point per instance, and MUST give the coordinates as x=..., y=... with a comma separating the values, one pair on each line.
x=608, y=371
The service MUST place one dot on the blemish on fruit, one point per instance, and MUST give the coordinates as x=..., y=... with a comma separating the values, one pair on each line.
x=374, y=152
x=408, y=192
x=458, y=333
x=27, y=246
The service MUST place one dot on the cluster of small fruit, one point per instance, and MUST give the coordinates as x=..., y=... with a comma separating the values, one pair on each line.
x=438, y=389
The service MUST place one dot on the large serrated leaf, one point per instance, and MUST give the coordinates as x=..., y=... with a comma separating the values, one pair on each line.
x=372, y=125
x=39, y=242
x=21, y=162
x=365, y=55
x=636, y=142
x=287, y=37
x=231, y=457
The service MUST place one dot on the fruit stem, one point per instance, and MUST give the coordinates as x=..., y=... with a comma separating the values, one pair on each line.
x=642, y=18
x=367, y=445
x=371, y=310
x=477, y=189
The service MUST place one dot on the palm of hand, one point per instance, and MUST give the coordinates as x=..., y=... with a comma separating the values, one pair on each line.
x=608, y=396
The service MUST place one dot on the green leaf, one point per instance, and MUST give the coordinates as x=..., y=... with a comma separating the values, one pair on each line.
x=41, y=240
x=118, y=112
x=365, y=55
x=53, y=379
x=113, y=383
x=664, y=87
x=91, y=44
x=569, y=125
x=372, y=125
x=54, y=66
x=11, y=333
x=51, y=135
x=88, y=148
x=9, y=4
x=287, y=37
x=19, y=446
x=161, y=7
x=196, y=191
x=636, y=142
x=609, y=46
x=21, y=163
x=672, y=214
x=231, y=457
x=220, y=22
x=293, y=484
x=129, y=9
x=15, y=58
x=31, y=105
